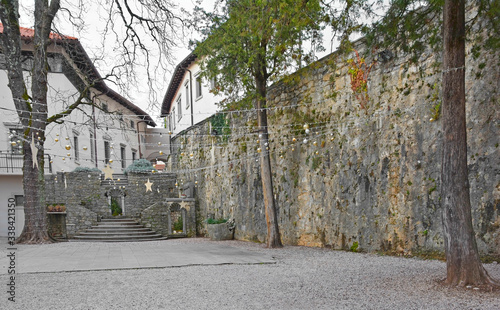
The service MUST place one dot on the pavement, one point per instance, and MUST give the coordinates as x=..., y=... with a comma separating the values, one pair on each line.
x=89, y=256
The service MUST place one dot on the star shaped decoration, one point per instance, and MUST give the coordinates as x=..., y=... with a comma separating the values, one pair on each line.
x=34, y=151
x=148, y=186
x=108, y=172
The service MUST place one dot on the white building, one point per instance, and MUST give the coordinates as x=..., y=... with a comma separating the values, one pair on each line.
x=188, y=99
x=112, y=133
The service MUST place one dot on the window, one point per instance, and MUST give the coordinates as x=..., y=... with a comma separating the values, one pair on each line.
x=107, y=152
x=213, y=84
x=179, y=108
x=132, y=124
x=16, y=145
x=19, y=200
x=122, y=154
x=134, y=155
x=75, y=146
x=104, y=107
x=186, y=86
x=92, y=149
x=198, y=87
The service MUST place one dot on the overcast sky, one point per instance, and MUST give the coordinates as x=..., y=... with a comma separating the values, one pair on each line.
x=88, y=29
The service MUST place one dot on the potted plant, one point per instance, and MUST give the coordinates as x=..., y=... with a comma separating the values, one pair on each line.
x=220, y=229
x=56, y=207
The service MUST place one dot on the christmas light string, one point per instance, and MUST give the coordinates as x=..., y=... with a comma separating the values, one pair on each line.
x=117, y=113
x=212, y=144
x=271, y=128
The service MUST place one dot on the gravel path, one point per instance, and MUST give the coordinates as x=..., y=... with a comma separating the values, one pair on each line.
x=301, y=278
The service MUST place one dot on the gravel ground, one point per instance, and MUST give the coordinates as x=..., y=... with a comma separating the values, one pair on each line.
x=302, y=278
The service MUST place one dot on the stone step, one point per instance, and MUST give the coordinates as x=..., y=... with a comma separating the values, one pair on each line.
x=120, y=240
x=118, y=237
x=117, y=233
x=118, y=230
x=117, y=220
x=118, y=224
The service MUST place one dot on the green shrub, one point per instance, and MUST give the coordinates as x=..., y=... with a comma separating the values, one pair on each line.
x=354, y=247
x=140, y=166
x=86, y=169
x=178, y=225
x=115, y=207
x=216, y=221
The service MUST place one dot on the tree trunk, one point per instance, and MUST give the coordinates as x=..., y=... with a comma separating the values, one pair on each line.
x=462, y=258
x=273, y=233
x=35, y=224
x=32, y=112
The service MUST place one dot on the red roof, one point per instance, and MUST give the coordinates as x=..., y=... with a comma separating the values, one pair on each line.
x=27, y=33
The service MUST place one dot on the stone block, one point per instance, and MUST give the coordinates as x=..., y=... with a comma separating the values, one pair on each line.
x=220, y=231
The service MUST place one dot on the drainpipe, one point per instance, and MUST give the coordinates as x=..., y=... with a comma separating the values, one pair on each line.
x=139, y=137
x=95, y=134
x=191, y=94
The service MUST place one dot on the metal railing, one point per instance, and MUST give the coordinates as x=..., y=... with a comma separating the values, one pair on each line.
x=13, y=163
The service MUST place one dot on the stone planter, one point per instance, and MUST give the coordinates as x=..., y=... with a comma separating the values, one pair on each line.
x=224, y=231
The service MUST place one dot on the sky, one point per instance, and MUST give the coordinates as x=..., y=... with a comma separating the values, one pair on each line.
x=87, y=20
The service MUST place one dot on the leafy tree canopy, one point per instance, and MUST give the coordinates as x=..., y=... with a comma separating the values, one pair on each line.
x=247, y=40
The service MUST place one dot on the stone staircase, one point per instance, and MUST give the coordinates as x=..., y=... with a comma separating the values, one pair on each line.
x=118, y=230
x=118, y=180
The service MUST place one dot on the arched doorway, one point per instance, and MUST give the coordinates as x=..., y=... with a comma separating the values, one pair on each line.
x=176, y=220
x=116, y=201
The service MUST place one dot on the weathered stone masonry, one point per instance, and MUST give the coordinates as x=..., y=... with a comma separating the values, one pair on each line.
x=85, y=196
x=367, y=176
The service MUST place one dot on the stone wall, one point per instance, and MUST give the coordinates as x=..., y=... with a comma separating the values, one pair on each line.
x=137, y=198
x=156, y=218
x=161, y=218
x=85, y=195
x=78, y=219
x=369, y=177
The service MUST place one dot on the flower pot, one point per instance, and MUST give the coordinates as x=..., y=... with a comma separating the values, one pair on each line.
x=222, y=231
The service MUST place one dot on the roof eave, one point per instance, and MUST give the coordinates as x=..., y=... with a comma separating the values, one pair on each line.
x=176, y=80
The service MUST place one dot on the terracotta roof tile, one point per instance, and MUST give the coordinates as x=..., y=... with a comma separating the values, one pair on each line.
x=27, y=33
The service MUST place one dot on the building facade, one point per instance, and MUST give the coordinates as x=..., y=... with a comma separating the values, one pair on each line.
x=188, y=99
x=108, y=129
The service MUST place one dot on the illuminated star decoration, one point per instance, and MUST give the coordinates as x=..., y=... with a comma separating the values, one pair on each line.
x=148, y=186
x=34, y=151
x=108, y=172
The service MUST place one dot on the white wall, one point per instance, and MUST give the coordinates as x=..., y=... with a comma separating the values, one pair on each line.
x=9, y=187
x=157, y=140
x=61, y=94
x=203, y=106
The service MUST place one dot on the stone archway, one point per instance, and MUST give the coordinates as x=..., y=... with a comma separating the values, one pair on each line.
x=176, y=219
x=119, y=196
x=179, y=211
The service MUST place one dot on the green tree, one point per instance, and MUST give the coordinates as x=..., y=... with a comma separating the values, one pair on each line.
x=462, y=258
x=248, y=44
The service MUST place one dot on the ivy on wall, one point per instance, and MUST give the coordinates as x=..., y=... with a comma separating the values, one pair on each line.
x=359, y=71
